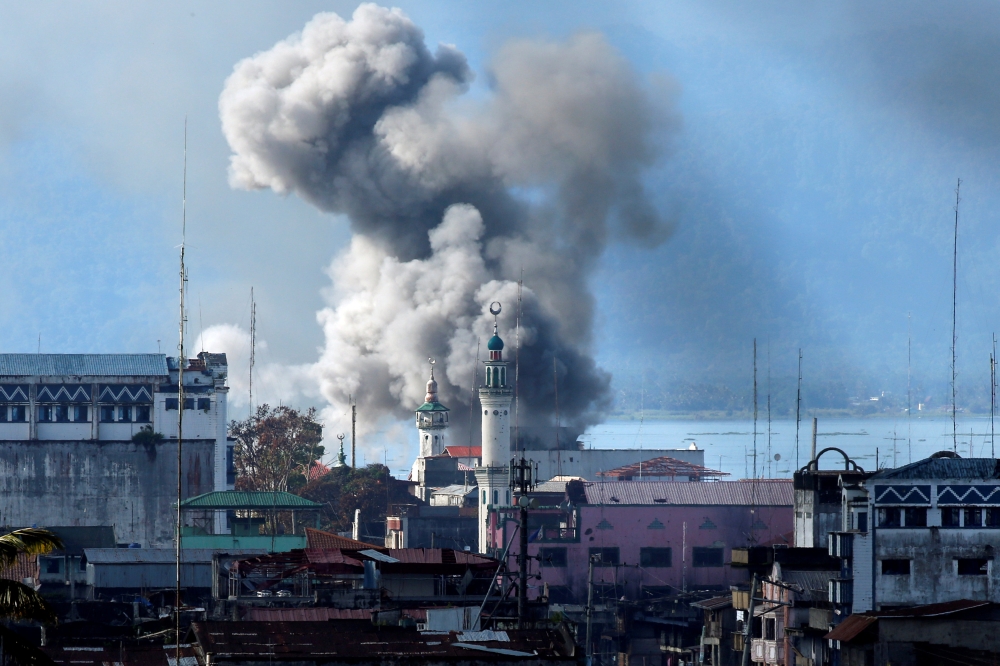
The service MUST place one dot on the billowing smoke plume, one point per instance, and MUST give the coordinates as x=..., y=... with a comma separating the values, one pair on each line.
x=450, y=200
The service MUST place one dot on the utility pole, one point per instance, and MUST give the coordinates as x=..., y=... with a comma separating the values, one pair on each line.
x=812, y=451
x=748, y=623
x=354, y=421
x=522, y=482
x=590, y=611
x=798, y=410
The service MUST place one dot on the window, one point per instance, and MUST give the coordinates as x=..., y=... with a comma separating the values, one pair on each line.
x=992, y=517
x=204, y=404
x=707, y=557
x=3, y=413
x=83, y=563
x=44, y=413
x=916, y=517
x=81, y=413
x=604, y=557
x=973, y=517
x=107, y=413
x=552, y=557
x=188, y=403
x=142, y=413
x=973, y=567
x=862, y=521
x=125, y=413
x=61, y=413
x=889, y=517
x=231, y=466
x=170, y=403
x=895, y=567
x=949, y=517
x=53, y=565
x=496, y=497
x=484, y=497
x=770, y=628
x=18, y=414
x=655, y=557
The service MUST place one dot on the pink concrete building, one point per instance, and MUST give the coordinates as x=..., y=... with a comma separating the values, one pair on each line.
x=650, y=538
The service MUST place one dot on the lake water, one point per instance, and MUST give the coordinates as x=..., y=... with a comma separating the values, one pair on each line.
x=729, y=444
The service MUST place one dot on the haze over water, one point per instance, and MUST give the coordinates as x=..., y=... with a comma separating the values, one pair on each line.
x=728, y=443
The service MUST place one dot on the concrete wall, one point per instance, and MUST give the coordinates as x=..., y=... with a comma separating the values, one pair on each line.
x=85, y=483
x=588, y=462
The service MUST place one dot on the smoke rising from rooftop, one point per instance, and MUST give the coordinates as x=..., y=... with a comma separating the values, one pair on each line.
x=450, y=199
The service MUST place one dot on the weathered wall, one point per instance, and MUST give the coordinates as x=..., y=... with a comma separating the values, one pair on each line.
x=129, y=486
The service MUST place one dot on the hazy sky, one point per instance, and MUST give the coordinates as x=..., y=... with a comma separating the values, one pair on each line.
x=809, y=182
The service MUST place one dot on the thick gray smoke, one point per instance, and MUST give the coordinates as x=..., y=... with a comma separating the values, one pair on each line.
x=450, y=200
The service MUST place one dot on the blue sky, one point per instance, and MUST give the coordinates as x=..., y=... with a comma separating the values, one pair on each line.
x=809, y=185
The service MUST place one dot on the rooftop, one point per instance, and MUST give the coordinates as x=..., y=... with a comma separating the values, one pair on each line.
x=318, y=539
x=464, y=451
x=116, y=365
x=243, y=499
x=764, y=492
x=660, y=467
x=118, y=556
x=944, y=468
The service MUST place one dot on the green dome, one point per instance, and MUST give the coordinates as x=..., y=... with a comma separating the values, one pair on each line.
x=495, y=343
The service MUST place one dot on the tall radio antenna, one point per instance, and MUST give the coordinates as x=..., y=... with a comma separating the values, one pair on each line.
x=755, y=408
x=181, y=361
x=253, y=343
x=517, y=365
x=909, y=393
x=798, y=410
x=954, y=320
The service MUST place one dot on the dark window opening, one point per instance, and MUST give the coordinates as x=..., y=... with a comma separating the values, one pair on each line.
x=770, y=628
x=83, y=563
x=204, y=404
x=44, y=413
x=707, y=557
x=142, y=413
x=950, y=517
x=231, y=466
x=992, y=517
x=18, y=414
x=125, y=413
x=170, y=403
x=862, y=521
x=107, y=414
x=52, y=565
x=188, y=403
x=62, y=413
x=604, y=557
x=895, y=567
x=915, y=517
x=973, y=567
x=81, y=413
x=552, y=557
x=973, y=517
x=655, y=557
x=3, y=413
x=889, y=517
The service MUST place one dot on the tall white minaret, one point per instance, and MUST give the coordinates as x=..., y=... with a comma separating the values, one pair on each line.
x=494, y=399
x=432, y=420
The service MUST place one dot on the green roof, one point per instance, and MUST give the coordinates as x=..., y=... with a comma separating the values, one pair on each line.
x=242, y=499
x=495, y=343
x=432, y=407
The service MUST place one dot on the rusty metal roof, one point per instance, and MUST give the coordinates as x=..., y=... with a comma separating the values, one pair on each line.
x=762, y=492
x=659, y=467
x=125, y=655
x=327, y=540
x=715, y=603
x=851, y=628
x=935, y=610
x=89, y=365
x=305, y=614
x=464, y=451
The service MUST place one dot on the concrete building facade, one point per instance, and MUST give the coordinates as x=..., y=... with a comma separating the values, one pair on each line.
x=67, y=454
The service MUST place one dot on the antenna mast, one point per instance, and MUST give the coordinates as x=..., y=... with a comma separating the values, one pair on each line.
x=472, y=401
x=755, y=408
x=798, y=410
x=517, y=365
x=993, y=394
x=768, y=408
x=909, y=406
x=555, y=387
x=181, y=361
x=954, y=321
x=253, y=342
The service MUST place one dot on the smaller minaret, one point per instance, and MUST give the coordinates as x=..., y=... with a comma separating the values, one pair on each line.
x=432, y=420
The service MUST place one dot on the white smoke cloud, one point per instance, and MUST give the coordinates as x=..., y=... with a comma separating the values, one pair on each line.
x=450, y=201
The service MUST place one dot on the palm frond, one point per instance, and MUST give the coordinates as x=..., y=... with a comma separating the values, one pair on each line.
x=20, y=602
x=14, y=649
x=30, y=540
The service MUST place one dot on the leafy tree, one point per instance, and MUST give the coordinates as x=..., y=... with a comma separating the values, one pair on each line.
x=147, y=436
x=275, y=448
x=344, y=489
x=20, y=602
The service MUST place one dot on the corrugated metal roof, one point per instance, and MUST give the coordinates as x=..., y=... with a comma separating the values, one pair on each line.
x=715, y=603
x=241, y=499
x=770, y=492
x=661, y=466
x=945, y=468
x=851, y=628
x=935, y=610
x=159, y=555
x=328, y=541
x=305, y=614
x=464, y=451
x=119, y=365
x=457, y=489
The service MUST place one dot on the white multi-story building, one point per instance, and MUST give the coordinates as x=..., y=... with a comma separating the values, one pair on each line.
x=69, y=455
x=492, y=475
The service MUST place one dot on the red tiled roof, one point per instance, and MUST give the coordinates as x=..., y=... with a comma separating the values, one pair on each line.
x=327, y=541
x=775, y=492
x=464, y=451
x=305, y=614
x=851, y=628
x=662, y=466
x=25, y=566
x=715, y=603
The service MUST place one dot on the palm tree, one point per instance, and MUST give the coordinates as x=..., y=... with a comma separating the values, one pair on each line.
x=20, y=602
